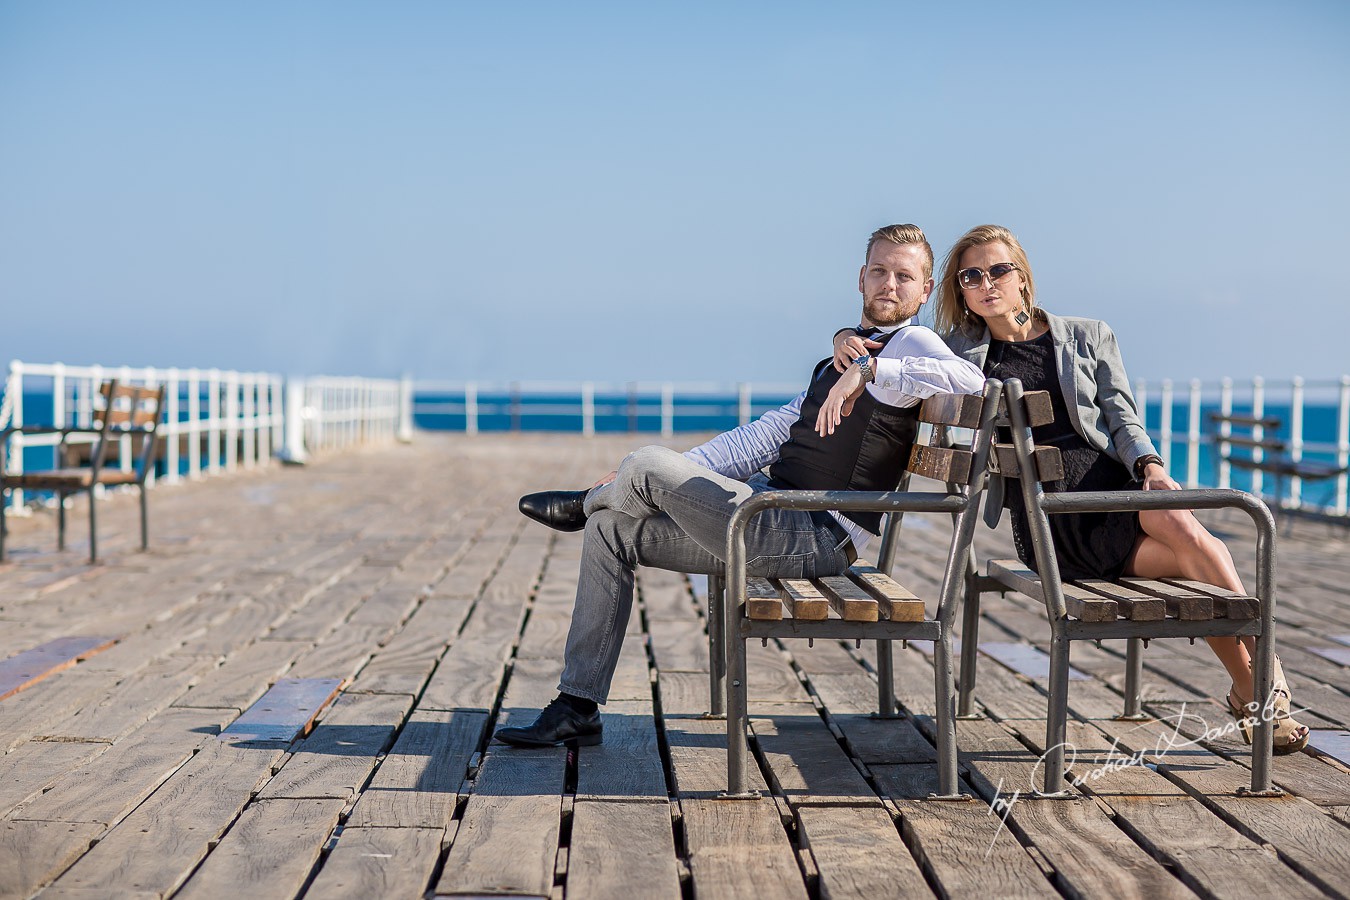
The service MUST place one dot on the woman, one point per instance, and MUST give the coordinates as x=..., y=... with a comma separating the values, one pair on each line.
x=987, y=313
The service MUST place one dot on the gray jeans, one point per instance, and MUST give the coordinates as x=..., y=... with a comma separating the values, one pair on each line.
x=664, y=511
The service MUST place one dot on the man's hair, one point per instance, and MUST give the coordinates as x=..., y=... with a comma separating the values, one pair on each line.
x=951, y=314
x=903, y=234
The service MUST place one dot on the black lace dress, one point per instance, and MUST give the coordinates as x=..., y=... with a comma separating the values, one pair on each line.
x=1087, y=545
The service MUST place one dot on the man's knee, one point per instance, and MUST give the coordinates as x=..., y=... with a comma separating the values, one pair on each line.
x=611, y=532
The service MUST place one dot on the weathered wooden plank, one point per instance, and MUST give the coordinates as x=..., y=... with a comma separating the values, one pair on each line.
x=507, y=841
x=31, y=666
x=155, y=847
x=848, y=599
x=859, y=853
x=33, y=767
x=698, y=758
x=622, y=850
x=1049, y=462
x=1026, y=660
x=628, y=763
x=285, y=712
x=111, y=785
x=681, y=646
x=1079, y=602
x=1182, y=603
x=803, y=600
x=762, y=600
x=269, y=851
x=895, y=602
x=956, y=410
x=940, y=463
x=738, y=848
x=1227, y=604
x=379, y=862
x=806, y=762
x=131, y=702
x=1135, y=604
x=243, y=677
x=1039, y=407
x=339, y=754
x=417, y=783
x=33, y=853
x=467, y=677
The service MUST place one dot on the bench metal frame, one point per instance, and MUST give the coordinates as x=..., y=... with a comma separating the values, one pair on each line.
x=960, y=501
x=1064, y=630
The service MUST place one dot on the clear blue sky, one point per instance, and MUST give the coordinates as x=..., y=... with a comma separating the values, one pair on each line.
x=651, y=191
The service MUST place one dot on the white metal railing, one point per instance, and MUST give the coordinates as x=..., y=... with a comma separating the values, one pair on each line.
x=341, y=412
x=585, y=403
x=213, y=420
x=1290, y=400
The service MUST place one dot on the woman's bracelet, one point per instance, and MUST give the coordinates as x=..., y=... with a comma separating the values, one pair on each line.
x=1143, y=462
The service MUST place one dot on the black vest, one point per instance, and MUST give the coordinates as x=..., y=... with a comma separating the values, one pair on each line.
x=867, y=452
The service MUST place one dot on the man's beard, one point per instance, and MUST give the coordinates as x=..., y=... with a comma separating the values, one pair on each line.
x=880, y=313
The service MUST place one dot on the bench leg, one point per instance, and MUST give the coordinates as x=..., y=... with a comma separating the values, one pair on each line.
x=93, y=528
x=717, y=650
x=970, y=640
x=738, y=745
x=4, y=526
x=1263, y=682
x=145, y=526
x=1057, y=716
x=944, y=694
x=885, y=680
x=1134, y=680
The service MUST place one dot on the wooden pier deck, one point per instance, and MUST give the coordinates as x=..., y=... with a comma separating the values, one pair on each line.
x=194, y=749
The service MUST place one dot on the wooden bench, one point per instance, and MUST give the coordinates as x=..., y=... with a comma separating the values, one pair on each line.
x=1256, y=452
x=1134, y=609
x=863, y=603
x=127, y=412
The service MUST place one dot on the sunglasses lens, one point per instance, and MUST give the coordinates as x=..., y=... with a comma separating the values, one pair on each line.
x=970, y=278
x=1000, y=271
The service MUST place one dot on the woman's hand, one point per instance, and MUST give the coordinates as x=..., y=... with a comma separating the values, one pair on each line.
x=1155, y=479
x=848, y=347
x=839, y=402
x=607, y=479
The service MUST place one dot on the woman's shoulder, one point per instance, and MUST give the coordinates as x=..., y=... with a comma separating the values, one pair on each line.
x=1079, y=325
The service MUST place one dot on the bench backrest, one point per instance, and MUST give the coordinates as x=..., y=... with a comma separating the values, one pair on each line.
x=128, y=410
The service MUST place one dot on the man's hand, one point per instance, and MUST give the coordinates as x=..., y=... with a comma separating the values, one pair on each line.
x=848, y=347
x=1155, y=479
x=839, y=403
x=607, y=479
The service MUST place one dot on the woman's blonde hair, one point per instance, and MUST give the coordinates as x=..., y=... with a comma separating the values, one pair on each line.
x=951, y=314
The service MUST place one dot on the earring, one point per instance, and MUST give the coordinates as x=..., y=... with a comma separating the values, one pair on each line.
x=1022, y=318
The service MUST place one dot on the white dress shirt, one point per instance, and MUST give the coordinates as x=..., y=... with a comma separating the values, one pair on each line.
x=913, y=365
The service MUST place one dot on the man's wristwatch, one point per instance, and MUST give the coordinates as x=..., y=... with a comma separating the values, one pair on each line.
x=1143, y=462
x=864, y=364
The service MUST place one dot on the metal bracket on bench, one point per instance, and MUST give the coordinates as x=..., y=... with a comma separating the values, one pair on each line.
x=1056, y=795
x=710, y=716
x=1137, y=717
x=1248, y=792
x=958, y=797
x=747, y=795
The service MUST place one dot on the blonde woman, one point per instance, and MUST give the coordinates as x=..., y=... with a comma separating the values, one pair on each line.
x=987, y=313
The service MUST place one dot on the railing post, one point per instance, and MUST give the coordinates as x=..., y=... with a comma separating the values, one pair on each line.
x=667, y=409
x=588, y=409
x=1165, y=426
x=171, y=428
x=405, y=408
x=1342, y=443
x=1258, y=432
x=16, y=420
x=247, y=424
x=58, y=397
x=1193, y=437
x=471, y=407
x=231, y=420
x=743, y=404
x=1296, y=440
x=1225, y=429
x=213, y=421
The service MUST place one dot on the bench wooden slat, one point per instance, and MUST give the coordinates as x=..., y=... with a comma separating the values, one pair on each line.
x=1079, y=603
x=1182, y=603
x=1227, y=604
x=803, y=599
x=895, y=601
x=959, y=410
x=1049, y=462
x=1132, y=603
x=762, y=600
x=1040, y=409
x=848, y=599
x=940, y=463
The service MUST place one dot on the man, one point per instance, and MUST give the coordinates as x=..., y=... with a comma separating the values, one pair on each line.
x=849, y=430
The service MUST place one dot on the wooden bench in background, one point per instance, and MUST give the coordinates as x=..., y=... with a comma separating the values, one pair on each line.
x=128, y=412
x=1253, y=450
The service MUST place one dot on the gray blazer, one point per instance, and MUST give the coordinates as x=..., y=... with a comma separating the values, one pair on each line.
x=1092, y=380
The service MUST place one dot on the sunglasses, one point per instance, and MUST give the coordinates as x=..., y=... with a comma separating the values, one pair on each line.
x=973, y=277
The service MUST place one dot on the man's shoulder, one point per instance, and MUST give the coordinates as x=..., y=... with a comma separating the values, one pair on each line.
x=918, y=336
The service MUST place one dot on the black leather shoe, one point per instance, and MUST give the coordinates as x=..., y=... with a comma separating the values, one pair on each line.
x=560, y=510
x=558, y=724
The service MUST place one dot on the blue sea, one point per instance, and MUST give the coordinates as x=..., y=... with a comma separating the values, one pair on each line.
x=704, y=412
